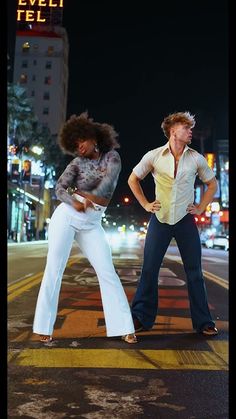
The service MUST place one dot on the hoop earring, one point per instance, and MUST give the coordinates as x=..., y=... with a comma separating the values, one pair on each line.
x=96, y=149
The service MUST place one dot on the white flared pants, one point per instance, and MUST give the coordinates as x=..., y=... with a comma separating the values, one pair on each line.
x=67, y=225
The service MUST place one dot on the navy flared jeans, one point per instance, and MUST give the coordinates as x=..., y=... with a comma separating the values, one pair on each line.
x=145, y=303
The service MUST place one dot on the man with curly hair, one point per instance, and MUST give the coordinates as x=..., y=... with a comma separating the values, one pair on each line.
x=93, y=176
x=174, y=168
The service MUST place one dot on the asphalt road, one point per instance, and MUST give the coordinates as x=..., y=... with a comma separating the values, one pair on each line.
x=172, y=372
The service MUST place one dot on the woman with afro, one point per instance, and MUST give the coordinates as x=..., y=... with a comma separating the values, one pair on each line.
x=93, y=175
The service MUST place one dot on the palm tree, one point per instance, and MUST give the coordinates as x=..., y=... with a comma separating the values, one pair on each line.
x=25, y=130
x=52, y=155
x=21, y=116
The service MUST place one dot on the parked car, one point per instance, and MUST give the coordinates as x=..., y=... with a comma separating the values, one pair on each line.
x=218, y=241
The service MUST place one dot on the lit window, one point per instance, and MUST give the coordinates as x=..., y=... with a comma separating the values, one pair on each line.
x=48, y=65
x=45, y=111
x=47, y=80
x=46, y=96
x=26, y=47
x=50, y=50
x=23, y=78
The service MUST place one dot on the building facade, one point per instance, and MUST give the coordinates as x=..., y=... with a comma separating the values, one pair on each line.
x=216, y=217
x=41, y=66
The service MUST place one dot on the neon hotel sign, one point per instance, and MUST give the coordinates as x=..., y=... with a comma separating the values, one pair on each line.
x=25, y=15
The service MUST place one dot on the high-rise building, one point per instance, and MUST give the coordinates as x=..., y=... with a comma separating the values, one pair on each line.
x=41, y=66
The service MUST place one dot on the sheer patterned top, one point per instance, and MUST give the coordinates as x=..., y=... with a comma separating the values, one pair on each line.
x=98, y=177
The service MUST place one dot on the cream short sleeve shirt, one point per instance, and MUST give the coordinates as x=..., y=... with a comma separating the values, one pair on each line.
x=174, y=193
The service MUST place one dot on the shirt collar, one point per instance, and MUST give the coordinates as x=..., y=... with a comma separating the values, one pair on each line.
x=166, y=148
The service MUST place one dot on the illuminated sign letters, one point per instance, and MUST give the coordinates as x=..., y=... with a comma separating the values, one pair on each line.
x=210, y=159
x=28, y=15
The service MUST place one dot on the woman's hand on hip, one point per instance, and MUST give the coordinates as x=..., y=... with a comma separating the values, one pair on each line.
x=79, y=206
x=95, y=199
x=88, y=204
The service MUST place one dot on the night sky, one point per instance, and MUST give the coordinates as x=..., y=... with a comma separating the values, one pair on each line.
x=132, y=63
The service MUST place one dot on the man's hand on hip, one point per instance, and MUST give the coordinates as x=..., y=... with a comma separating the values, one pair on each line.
x=153, y=206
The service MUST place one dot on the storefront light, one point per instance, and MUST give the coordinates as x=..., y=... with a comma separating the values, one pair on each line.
x=36, y=168
x=215, y=206
x=30, y=196
x=37, y=150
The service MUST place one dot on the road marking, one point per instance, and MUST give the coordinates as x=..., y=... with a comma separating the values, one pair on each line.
x=26, y=284
x=80, y=322
x=220, y=281
x=128, y=256
x=19, y=279
x=123, y=358
x=23, y=282
x=167, y=272
x=36, y=279
x=174, y=257
x=170, y=282
x=214, y=259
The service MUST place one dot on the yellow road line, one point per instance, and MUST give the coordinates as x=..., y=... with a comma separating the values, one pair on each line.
x=24, y=282
x=18, y=288
x=24, y=288
x=220, y=281
x=123, y=358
